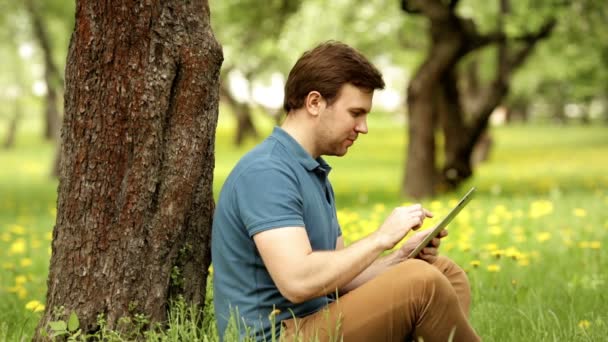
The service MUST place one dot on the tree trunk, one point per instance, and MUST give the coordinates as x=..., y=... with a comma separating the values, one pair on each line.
x=52, y=76
x=9, y=142
x=242, y=114
x=420, y=171
x=135, y=183
x=457, y=158
x=452, y=38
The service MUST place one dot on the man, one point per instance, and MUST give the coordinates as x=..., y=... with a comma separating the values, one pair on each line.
x=277, y=247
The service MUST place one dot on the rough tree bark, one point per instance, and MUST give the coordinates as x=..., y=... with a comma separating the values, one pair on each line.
x=135, y=192
x=434, y=93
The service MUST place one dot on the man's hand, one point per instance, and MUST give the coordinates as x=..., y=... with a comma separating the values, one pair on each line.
x=399, y=223
x=428, y=253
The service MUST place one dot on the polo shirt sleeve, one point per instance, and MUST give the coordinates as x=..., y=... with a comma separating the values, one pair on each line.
x=268, y=198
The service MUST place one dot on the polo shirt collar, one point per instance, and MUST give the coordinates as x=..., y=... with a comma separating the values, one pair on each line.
x=299, y=152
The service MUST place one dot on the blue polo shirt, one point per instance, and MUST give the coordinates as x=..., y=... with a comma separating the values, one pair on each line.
x=277, y=184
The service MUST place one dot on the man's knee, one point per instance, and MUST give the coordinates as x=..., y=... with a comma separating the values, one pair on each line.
x=449, y=268
x=420, y=274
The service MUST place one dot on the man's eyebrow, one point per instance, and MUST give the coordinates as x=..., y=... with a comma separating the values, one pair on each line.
x=358, y=109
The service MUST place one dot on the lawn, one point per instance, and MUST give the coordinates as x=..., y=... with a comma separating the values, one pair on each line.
x=533, y=240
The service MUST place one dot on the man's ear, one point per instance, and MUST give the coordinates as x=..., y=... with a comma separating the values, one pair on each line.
x=314, y=103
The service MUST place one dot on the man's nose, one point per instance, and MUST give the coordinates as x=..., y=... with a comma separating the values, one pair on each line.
x=361, y=126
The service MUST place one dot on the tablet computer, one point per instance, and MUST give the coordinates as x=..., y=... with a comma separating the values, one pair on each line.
x=443, y=223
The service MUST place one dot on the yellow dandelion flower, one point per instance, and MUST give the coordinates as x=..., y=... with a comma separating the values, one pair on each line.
x=34, y=305
x=495, y=230
x=583, y=244
x=513, y=282
x=512, y=252
x=523, y=262
x=497, y=253
x=540, y=209
x=584, y=324
x=464, y=247
x=435, y=205
x=17, y=247
x=595, y=244
x=543, y=236
x=8, y=265
x=493, y=219
x=379, y=208
x=493, y=268
x=490, y=247
x=21, y=292
x=520, y=238
x=25, y=262
x=20, y=280
x=17, y=229
x=579, y=212
x=475, y=263
x=48, y=236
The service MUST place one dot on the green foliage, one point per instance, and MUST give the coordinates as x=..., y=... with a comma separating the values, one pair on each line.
x=549, y=192
x=62, y=329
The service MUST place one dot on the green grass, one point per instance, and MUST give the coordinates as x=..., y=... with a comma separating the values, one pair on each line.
x=533, y=241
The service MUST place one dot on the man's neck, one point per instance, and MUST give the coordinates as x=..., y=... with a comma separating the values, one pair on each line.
x=300, y=129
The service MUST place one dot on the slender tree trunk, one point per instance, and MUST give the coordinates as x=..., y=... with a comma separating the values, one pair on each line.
x=420, y=169
x=242, y=114
x=52, y=76
x=457, y=163
x=9, y=142
x=135, y=188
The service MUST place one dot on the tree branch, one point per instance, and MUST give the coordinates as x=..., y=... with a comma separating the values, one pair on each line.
x=433, y=9
x=531, y=39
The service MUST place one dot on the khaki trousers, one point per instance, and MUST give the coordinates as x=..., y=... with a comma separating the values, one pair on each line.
x=413, y=300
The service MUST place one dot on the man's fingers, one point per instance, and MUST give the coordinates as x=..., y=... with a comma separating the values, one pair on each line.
x=429, y=251
x=427, y=213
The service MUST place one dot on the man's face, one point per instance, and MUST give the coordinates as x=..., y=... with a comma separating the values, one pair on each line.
x=341, y=123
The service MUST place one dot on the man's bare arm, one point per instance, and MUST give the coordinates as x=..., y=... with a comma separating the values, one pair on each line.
x=301, y=274
x=381, y=264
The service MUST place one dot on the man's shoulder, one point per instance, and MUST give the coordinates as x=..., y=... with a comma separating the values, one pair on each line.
x=267, y=155
x=268, y=160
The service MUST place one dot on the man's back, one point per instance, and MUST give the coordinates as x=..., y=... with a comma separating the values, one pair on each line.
x=275, y=185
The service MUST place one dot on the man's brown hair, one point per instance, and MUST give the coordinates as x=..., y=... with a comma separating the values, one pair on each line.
x=326, y=68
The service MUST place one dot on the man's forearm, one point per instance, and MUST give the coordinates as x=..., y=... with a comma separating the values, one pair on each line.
x=324, y=272
x=373, y=270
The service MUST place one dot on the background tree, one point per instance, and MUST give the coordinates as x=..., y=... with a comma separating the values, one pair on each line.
x=53, y=77
x=250, y=32
x=434, y=100
x=135, y=193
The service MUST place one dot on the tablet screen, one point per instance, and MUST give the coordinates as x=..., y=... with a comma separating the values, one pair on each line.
x=443, y=223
